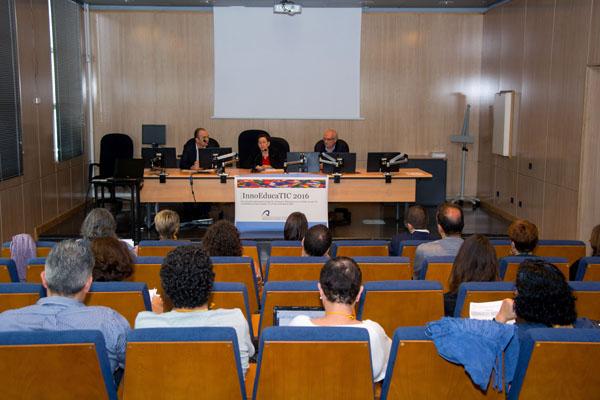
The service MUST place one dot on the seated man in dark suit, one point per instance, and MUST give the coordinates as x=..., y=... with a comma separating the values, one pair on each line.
x=331, y=144
x=415, y=222
x=190, y=159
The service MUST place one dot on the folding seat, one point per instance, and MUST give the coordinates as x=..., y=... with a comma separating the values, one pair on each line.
x=42, y=248
x=250, y=249
x=589, y=269
x=416, y=371
x=126, y=298
x=55, y=365
x=314, y=363
x=183, y=363
x=147, y=270
x=481, y=292
x=588, y=299
x=502, y=247
x=289, y=294
x=508, y=266
x=437, y=269
x=17, y=295
x=294, y=268
x=356, y=248
x=8, y=271
x=408, y=248
x=231, y=295
x=238, y=269
x=159, y=248
x=401, y=303
x=384, y=268
x=283, y=248
x=557, y=363
x=572, y=250
x=35, y=266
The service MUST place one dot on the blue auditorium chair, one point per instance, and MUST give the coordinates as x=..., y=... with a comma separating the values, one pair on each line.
x=589, y=269
x=126, y=298
x=572, y=250
x=384, y=268
x=238, y=269
x=147, y=270
x=18, y=295
x=35, y=266
x=283, y=248
x=42, y=248
x=480, y=292
x=250, y=249
x=294, y=268
x=408, y=249
x=231, y=295
x=159, y=248
x=437, y=269
x=508, y=266
x=356, y=248
x=588, y=298
x=8, y=271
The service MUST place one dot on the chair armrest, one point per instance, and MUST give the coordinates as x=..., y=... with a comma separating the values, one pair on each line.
x=91, y=170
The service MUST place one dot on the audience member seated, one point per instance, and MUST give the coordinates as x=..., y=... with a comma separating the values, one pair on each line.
x=166, y=223
x=267, y=156
x=450, y=224
x=22, y=248
x=594, y=244
x=112, y=260
x=295, y=227
x=190, y=158
x=475, y=262
x=523, y=237
x=543, y=299
x=67, y=276
x=222, y=239
x=98, y=223
x=317, y=241
x=187, y=278
x=331, y=144
x=416, y=222
x=340, y=288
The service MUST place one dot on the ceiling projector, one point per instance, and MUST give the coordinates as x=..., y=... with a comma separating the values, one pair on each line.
x=287, y=7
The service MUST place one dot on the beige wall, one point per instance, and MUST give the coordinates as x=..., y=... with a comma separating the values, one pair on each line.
x=416, y=70
x=540, y=49
x=46, y=189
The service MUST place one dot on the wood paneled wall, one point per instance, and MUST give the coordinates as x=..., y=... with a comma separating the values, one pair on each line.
x=46, y=189
x=546, y=46
x=418, y=72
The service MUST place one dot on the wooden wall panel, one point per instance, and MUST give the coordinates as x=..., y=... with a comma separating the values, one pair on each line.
x=594, y=51
x=505, y=190
x=63, y=182
x=530, y=200
x=536, y=82
x=418, y=71
x=560, y=212
x=49, y=197
x=11, y=206
x=569, y=56
x=32, y=200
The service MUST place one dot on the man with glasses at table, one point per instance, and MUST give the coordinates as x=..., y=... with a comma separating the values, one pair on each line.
x=331, y=144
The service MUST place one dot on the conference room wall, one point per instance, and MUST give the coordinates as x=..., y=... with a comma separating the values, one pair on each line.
x=416, y=69
x=544, y=55
x=46, y=189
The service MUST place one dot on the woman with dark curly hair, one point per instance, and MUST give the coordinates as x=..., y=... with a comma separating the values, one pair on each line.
x=112, y=260
x=222, y=240
x=187, y=278
x=543, y=299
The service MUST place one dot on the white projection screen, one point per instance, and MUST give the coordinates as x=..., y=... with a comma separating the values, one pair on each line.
x=275, y=66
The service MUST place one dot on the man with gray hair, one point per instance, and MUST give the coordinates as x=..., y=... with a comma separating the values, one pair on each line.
x=67, y=276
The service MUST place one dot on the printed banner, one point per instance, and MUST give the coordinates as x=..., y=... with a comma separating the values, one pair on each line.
x=263, y=202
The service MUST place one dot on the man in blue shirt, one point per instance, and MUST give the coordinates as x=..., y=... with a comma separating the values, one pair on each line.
x=67, y=276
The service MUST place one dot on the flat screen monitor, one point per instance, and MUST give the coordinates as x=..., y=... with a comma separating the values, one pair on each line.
x=168, y=156
x=311, y=165
x=206, y=155
x=154, y=134
x=283, y=315
x=374, y=161
x=349, y=163
x=129, y=168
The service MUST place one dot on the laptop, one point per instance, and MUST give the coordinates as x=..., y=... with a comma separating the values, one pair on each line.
x=283, y=315
x=132, y=168
x=349, y=163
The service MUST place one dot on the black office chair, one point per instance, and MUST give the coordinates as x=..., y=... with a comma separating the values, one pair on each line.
x=247, y=146
x=280, y=144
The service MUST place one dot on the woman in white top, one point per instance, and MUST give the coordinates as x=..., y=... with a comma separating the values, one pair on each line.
x=340, y=288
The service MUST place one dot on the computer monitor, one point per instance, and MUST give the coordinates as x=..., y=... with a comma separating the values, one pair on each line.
x=349, y=163
x=311, y=165
x=129, y=168
x=374, y=161
x=168, y=156
x=156, y=135
x=283, y=315
x=206, y=155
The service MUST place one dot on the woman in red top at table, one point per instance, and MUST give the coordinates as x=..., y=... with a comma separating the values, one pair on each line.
x=267, y=156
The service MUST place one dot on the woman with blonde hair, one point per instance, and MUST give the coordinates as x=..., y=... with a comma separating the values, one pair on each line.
x=166, y=223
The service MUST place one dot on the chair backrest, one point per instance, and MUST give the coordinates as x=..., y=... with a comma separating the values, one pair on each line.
x=508, y=266
x=589, y=269
x=231, y=295
x=159, y=248
x=502, y=247
x=572, y=250
x=247, y=145
x=55, y=365
x=293, y=293
x=416, y=371
x=314, y=363
x=126, y=298
x=147, y=270
x=588, y=298
x=42, y=248
x=183, y=363
x=557, y=363
x=294, y=268
x=212, y=143
x=279, y=143
x=18, y=295
x=365, y=248
x=401, y=303
x=35, y=266
x=437, y=269
x=112, y=147
x=408, y=248
x=238, y=269
x=250, y=249
x=286, y=248
x=8, y=271
x=384, y=268
x=480, y=292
